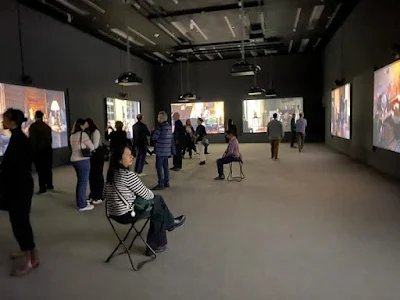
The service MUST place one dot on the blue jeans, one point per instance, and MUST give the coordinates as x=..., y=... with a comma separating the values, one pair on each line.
x=162, y=170
x=140, y=160
x=223, y=161
x=82, y=169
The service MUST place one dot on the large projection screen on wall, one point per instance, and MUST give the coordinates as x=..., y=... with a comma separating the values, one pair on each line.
x=341, y=111
x=257, y=113
x=124, y=111
x=386, y=132
x=211, y=112
x=29, y=100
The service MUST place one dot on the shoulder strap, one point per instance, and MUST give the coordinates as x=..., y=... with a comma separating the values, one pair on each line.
x=120, y=196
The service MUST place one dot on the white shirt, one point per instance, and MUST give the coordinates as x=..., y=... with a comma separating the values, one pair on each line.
x=96, y=138
x=77, y=145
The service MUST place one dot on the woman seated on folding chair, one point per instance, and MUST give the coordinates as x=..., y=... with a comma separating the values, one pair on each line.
x=127, y=199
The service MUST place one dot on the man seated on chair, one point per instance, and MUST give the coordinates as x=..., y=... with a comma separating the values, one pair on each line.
x=125, y=194
x=231, y=154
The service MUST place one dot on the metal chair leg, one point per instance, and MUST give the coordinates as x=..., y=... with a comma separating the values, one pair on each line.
x=239, y=178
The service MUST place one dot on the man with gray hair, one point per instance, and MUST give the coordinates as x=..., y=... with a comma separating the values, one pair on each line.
x=164, y=147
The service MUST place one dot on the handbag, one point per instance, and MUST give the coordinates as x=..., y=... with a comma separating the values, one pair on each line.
x=140, y=204
x=85, y=152
x=205, y=141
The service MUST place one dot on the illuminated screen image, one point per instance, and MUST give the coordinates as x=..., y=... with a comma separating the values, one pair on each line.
x=29, y=100
x=124, y=111
x=386, y=132
x=211, y=112
x=340, y=111
x=258, y=113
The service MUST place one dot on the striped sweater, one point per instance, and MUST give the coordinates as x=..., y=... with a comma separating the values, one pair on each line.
x=129, y=186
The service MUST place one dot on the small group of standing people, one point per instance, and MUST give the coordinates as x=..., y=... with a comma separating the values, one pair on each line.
x=276, y=133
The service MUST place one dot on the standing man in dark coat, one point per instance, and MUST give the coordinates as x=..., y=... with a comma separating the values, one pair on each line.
x=41, y=142
x=179, y=139
x=293, y=131
x=140, y=141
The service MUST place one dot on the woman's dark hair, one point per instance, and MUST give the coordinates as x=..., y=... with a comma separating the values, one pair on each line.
x=15, y=115
x=77, y=125
x=230, y=122
x=92, y=127
x=115, y=162
x=200, y=119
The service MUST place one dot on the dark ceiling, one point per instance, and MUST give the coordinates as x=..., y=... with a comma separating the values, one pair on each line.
x=165, y=31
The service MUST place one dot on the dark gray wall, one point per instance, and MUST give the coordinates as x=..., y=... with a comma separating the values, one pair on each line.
x=362, y=43
x=60, y=57
x=293, y=76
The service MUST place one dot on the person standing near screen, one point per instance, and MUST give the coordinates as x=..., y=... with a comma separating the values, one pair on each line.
x=301, y=125
x=200, y=137
x=164, y=147
x=179, y=139
x=293, y=131
x=41, y=142
x=17, y=190
x=140, y=134
x=275, y=134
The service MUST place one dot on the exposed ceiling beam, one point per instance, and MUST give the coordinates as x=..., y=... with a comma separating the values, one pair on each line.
x=247, y=4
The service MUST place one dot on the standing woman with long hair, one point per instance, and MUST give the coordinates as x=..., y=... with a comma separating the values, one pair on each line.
x=17, y=189
x=81, y=147
x=189, y=134
x=96, y=178
x=200, y=135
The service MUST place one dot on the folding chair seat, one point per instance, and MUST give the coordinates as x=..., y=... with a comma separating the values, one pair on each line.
x=145, y=216
x=237, y=178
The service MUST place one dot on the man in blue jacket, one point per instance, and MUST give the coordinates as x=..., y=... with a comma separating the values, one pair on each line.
x=164, y=147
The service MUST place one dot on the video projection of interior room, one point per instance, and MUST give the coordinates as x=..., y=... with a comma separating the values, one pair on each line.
x=340, y=112
x=257, y=113
x=29, y=100
x=211, y=112
x=124, y=111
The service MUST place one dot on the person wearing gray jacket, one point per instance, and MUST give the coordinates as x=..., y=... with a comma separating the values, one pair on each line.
x=275, y=134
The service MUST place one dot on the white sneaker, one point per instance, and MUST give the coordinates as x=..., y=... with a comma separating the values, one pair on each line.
x=142, y=174
x=88, y=207
x=95, y=202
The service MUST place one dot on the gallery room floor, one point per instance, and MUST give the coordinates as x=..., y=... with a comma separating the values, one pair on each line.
x=313, y=225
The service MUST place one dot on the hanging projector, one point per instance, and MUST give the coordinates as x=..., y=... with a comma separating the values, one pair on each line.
x=243, y=68
x=128, y=79
x=187, y=97
x=270, y=93
x=256, y=91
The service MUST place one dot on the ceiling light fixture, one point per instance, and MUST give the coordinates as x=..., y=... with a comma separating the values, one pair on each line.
x=315, y=16
x=297, y=19
x=194, y=24
x=179, y=26
x=128, y=78
x=335, y=12
x=141, y=35
x=290, y=46
x=173, y=36
x=198, y=56
x=95, y=6
x=73, y=7
x=175, y=1
x=230, y=26
x=270, y=51
x=317, y=42
x=162, y=56
x=303, y=44
x=126, y=36
x=209, y=56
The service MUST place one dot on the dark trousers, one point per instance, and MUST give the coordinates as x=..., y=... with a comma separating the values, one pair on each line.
x=205, y=149
x=177, y=160
x=275, y=148
x=300, y=140
x=43, y=161
x=96, y=177
x=161, y=220
x=223, y=161
x=293, y=139
x=162, y=170
x=19, y=213
x=140, y=160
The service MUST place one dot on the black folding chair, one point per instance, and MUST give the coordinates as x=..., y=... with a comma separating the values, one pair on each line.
x=122, y=242
x=239, y=177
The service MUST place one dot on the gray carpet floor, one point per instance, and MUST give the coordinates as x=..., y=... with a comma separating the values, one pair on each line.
x=313, y=225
